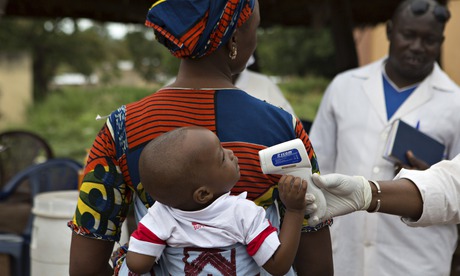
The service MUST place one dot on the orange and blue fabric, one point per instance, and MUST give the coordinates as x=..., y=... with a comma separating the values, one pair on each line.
x=196, y=28
x=111, y=183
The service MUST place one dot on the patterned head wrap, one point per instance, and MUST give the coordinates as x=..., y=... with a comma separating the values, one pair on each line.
x=195, y=28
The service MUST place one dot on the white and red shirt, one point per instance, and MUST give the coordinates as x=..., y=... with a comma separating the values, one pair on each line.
x=230, y=221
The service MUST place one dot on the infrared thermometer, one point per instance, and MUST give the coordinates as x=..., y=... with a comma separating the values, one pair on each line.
x=291, y=158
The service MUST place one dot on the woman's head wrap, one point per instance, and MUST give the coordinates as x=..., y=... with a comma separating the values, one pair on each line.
x=195, y=28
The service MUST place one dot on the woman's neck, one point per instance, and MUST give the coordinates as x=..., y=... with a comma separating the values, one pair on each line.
x=206, y=72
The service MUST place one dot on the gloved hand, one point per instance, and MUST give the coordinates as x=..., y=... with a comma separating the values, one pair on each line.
x=311, y=208
x=344, y=194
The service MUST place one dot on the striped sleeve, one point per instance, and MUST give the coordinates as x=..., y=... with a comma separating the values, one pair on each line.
x=264, y=245
x=145, y=242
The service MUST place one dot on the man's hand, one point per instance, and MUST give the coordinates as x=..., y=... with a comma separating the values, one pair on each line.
x=344, y=194
x=415, y=163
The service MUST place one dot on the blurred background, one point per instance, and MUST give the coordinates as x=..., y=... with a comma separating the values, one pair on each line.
x=63, y=63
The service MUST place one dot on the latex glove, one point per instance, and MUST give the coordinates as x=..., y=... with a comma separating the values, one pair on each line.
x=344, y=194
x=311, y=208
x=317, y=209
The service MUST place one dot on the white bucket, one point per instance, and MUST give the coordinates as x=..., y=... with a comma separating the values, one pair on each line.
x=50, y=244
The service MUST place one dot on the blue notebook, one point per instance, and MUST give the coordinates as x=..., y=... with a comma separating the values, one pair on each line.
x=404, y=137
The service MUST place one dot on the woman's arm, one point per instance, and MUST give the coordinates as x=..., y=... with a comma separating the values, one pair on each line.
x=314, y=255
x=89, y=256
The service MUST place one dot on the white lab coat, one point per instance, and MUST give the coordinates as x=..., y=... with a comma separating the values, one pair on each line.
x=440, y=190
x=349, y=135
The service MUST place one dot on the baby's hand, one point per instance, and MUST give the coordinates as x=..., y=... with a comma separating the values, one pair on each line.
x=292, y=193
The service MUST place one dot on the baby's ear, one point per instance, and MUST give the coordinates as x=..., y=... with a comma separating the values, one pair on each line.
x=202, y=195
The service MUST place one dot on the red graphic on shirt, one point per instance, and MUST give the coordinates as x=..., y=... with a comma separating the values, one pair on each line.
x=197, y=226
x=209, y=256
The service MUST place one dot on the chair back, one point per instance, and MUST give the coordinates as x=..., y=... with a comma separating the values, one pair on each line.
x=53, y=175
x=20, y=149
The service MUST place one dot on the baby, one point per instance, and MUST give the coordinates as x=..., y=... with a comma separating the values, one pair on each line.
x=196, y=225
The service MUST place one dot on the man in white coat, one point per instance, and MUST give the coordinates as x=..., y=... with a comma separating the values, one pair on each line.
x=350, y=132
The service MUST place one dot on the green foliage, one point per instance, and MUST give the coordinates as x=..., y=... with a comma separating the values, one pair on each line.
x=302, y=86
x=282, y=51
x=9, y=30
x=304, y=94
x=66, y=118
x=151, y=59
x=52, y=47
x=288, y=51
x=92, y=51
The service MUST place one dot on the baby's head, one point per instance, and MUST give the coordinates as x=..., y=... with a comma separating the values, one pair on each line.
x=187, y=168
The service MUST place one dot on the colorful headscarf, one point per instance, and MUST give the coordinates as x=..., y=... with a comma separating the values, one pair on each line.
x=195, y=28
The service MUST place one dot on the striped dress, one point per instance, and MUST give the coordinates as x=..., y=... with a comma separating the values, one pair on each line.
x=243, y=124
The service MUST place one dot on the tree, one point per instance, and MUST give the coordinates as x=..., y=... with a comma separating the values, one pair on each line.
x=51, y=47
x=296, y=51
x=151, y=59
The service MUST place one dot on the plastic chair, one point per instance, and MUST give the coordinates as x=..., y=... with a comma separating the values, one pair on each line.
x=20, y=149
x=52, y=175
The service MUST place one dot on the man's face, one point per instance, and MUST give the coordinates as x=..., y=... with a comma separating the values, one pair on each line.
x=415, y=43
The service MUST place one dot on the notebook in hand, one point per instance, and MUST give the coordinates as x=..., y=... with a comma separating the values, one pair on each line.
x=404, y=137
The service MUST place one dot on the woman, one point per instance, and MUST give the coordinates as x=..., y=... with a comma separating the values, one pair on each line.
x=214, y=39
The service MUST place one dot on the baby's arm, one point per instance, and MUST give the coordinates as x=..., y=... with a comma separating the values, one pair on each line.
x=141, y=242
x=292, y=192
x=139, y=263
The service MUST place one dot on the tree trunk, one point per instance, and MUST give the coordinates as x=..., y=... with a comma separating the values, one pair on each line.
x=342, y=31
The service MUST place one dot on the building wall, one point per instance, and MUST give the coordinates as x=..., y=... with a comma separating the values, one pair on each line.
x=372, y=43
x=15, y=88
x=451, y=56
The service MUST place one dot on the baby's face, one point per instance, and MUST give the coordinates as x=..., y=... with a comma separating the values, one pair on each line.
x=220, y=166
